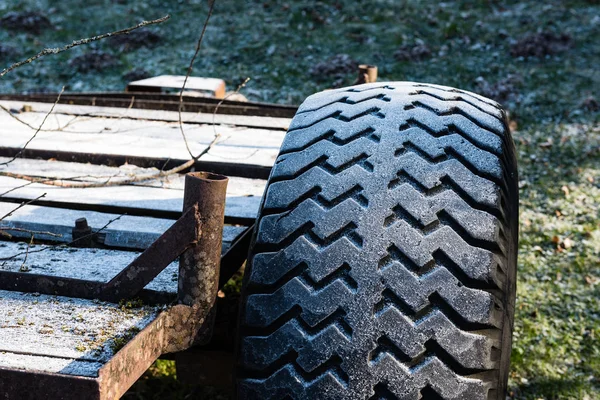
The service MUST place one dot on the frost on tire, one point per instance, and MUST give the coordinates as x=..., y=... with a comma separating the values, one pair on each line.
x=383, y=263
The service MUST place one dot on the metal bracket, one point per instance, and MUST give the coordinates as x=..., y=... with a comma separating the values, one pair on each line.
x=185, y=232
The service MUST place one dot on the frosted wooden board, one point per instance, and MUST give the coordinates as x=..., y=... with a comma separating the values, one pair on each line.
x=84, y=172
x=242, y=201
x=98, y=265
x=140, y=138
x=156, y=115
x=177, y=81
x=67, y=366
x=77, y=172
x=128, y=231
x=63, y=335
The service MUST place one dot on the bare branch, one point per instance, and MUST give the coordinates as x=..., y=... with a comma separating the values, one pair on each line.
x=80, y=42
x=21, y=206
x=67, y=183
x=16, y=188
x=60, y=128
x=17, y=118
x=13, y=229
x=38, y=129
x=236, y=91
x=23, y=268
x=189, y=72
x=27, y=252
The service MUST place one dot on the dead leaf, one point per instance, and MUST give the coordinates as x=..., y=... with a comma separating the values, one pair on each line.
x=547, y=143
x=565, y=190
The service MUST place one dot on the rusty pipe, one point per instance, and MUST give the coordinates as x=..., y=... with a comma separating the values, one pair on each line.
x=367, y=74
x=199, y=265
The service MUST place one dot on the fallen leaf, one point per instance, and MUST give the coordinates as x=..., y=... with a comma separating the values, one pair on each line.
x=565, y=190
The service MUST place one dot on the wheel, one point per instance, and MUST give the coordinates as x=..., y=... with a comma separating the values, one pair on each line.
x=384, y=259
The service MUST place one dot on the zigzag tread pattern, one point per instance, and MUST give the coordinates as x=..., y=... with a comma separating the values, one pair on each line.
x=380, y=261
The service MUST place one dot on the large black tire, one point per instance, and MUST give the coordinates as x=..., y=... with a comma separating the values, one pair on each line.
x=384, y=259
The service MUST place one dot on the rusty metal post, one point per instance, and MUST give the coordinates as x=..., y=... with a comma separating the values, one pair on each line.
x=199, y=265
x=366, y=74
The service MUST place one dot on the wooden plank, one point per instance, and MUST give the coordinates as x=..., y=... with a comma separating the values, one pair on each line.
x=127, y=232
x=64, y=335
x=155, y=115
x=140, y=138
x=98, y=265
x=132, y=200
x=214, y=86
x=67, y=366
x=101, y=173
x=159, y=198
x=160, y=101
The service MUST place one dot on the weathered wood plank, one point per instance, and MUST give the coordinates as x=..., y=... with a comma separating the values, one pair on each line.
x=54, y=364
x=140, y=138
x=76, y=172
x=70, y=336
x=126, y=232
x=242, y=202
x=98, y=265
x=155, y=115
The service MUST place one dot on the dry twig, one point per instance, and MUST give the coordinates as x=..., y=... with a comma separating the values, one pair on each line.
x=141, y=178
x=189, y=72
x=27, y=252
x=80, y=42
x=27, y=124
x=23, y=268
x=37, y=131
x=5, y=229
x=23, y=204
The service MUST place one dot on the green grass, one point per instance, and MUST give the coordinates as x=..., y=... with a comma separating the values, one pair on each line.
x=556, y=352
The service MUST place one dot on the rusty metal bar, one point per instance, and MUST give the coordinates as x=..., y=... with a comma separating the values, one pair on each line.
x=175, y=329
x=130, y=362
x=130, y=281
x=69, y=287
x=185, y=232
x=199, y=265
x=366, y=74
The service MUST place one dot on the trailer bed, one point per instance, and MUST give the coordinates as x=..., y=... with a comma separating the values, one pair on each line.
x=75, y=346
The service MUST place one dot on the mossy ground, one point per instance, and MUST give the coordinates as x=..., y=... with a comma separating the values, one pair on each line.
x=552, y=99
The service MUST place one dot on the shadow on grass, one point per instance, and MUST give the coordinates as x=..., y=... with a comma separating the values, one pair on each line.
x=553, y=388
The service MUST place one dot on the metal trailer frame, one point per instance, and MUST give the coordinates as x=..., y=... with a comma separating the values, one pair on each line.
x=196, y=239
x=182, y=330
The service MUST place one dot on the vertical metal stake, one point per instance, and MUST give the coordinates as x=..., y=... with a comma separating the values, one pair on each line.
x=366, y=74
x=199, y=265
